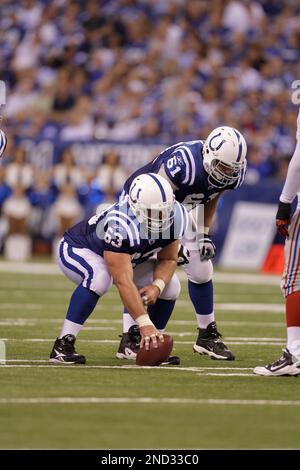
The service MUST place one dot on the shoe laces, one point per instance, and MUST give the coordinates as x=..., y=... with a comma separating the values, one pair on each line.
x=69, y=346
x=282, y=358
x=213, y=332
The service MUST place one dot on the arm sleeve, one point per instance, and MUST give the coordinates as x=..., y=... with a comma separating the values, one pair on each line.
x=292, y=183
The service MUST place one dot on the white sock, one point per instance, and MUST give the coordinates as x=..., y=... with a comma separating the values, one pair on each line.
x=293, y=340
x=70, y=328
x=204, y=320
x=128, y=321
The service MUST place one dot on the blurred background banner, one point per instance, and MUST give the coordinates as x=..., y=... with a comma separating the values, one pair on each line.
x=251, y=233
x=95, y=89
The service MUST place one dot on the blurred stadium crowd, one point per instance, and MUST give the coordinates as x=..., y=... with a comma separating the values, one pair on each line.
x=152, y=71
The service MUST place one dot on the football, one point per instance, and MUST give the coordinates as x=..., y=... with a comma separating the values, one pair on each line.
x=155, y=356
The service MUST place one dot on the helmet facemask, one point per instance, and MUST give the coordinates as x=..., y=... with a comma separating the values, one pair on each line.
x=221, y=174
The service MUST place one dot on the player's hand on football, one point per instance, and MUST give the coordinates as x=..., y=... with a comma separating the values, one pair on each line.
x=207, y=248
x=283, y=218
x=149, y=294
x=183, y=255
x=150, y=333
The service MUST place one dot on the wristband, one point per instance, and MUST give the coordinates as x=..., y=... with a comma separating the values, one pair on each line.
x=160, y=284
x=144, y=320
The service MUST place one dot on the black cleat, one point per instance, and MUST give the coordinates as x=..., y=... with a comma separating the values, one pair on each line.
x=63, y=352
x=209, y=342
x=129, y=344
x=286, y=365
x=171, y=361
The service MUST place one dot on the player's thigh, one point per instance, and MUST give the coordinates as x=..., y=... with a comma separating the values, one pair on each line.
x=70, y=270
x=291, y=275
x=97, y=276
x=198, y=271
x=143, y=275
x=172, y=289
x=89, y=267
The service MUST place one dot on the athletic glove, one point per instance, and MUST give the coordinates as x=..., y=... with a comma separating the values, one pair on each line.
x=183, y=256
x=283, y=218
x=207, y=248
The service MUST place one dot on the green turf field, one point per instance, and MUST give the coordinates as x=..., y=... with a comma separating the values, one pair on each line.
x=44, y=406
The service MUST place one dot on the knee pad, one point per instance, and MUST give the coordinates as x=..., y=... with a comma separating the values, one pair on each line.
x=101, y=283
x=172, y=289
x=198, y=271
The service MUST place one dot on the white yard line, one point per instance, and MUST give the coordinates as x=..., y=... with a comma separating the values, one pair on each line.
x=133, y=366
x=203, y=371
x=114, y=341
x=232, y=278
x=231, y=307
x=144, y=400
x=230, y=374
x=251, y=307
x=29, y=321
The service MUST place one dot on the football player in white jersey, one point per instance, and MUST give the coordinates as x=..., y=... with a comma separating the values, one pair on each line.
x=134, y=244
x=288, y=225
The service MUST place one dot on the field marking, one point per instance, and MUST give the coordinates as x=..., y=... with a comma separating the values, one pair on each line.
x=193, y=369
x=227, y=338
x=113, y=341
x=228, y=306
x=23, y=321
x=124, y=367
x=226, y=277
x=144, y=400
x=260, y=307
x=233, y=374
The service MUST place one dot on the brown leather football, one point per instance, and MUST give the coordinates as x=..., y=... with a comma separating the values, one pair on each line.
x=155, y=356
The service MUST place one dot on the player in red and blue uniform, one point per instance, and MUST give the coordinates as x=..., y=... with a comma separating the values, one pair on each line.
x=288, y=225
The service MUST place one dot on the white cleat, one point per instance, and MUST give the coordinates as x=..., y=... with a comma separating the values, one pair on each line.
x=286, y=365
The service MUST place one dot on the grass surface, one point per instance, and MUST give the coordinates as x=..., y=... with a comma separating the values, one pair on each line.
x=33, y=307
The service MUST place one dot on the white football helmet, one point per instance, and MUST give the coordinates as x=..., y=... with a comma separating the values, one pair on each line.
x=3, y=142
x=152, y=201
x=224, y=156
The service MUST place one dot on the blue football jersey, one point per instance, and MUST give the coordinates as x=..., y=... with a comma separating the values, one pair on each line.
x=183, y=165
x=117, y=229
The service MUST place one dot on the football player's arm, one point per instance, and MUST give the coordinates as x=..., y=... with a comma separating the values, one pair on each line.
x=209, y=212
x=120, y=267
x=164, y=270
x=290, y=189
x=207, y=248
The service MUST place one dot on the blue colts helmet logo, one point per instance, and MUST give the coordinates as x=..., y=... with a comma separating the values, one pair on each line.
x=215, y=147
x=134, y=200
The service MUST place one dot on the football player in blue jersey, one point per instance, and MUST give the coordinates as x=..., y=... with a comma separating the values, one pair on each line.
x=133, y=243
x=199, y=172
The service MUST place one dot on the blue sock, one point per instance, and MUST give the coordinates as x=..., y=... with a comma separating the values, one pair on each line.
x=82, y=303
x=202, y=296
x=160, y=312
